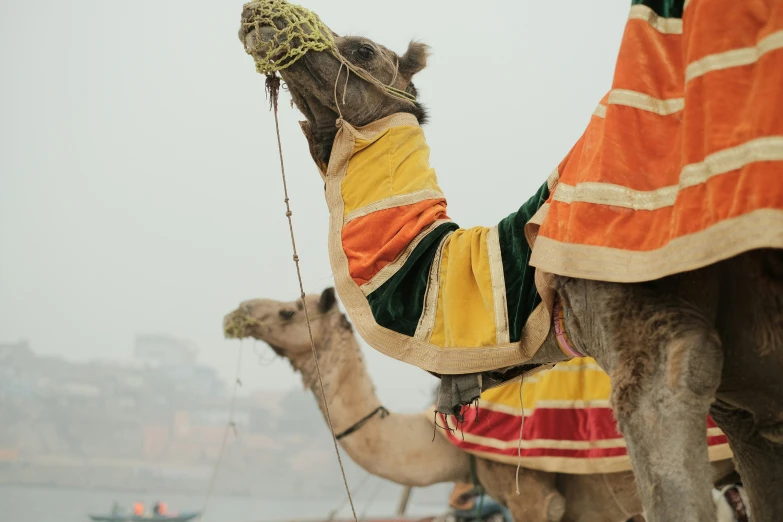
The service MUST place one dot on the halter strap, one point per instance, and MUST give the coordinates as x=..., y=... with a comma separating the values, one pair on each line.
x=559, y=316
x=380, y=409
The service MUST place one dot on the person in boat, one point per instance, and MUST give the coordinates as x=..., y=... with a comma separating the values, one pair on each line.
x=468, y=501
x=138, y=509
x=160, y=508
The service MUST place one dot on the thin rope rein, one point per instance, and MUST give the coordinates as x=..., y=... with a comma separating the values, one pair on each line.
x=273, y=84
x=230, y=426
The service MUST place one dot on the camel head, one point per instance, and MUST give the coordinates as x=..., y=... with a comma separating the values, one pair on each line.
x=320, y=80
x=282, y=325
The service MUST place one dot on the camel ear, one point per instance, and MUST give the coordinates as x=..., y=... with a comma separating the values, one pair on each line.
x=414, y=59
x=328, y=300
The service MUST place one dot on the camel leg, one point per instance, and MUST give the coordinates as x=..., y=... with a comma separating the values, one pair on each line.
x=538, y=501
x=665, y=361
x=758, y=460
x=666, y=430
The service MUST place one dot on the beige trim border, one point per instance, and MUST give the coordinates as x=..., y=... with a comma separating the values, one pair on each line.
x=502, y=335
x=600, y=111
x=734, y=57
x=645, y=102
x=581, y=466
x=554, y=404
x=758, y=229
x=552, y=179
x=575, y=466
x=387, y=272
x=760, y=149
x=425, y=355
x=662, y=25
x=768, y=148
x=427, y=320
x=569, y=465
x=616, y=195
x=400, y=200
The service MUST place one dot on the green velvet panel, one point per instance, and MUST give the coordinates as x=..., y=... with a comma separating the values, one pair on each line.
x=521, y=294
x=664, y=8
x=399, y=302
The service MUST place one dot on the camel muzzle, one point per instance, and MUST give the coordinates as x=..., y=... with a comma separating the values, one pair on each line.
x=277, y=34
x=237, y=324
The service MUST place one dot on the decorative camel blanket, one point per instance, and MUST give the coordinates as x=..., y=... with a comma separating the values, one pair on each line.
x=680, y=166
x=569, y=426
x=416, y=286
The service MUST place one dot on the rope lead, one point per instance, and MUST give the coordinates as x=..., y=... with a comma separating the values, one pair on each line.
x=273, y=89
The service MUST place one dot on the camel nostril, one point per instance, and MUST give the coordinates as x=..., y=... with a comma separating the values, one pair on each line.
x=267, y=33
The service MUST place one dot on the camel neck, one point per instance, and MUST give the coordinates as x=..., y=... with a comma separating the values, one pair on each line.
x=350, y=392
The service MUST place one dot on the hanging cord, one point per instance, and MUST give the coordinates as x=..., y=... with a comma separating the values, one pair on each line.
x=231, y=426
x=477, y=488
x=273, y=88
x=371, y=500
x=333, y=513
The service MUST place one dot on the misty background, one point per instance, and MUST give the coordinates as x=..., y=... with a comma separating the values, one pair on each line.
x=140, y=190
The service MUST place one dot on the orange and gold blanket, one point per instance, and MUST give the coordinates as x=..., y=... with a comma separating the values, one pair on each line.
x=569, y=426
x=681, y=165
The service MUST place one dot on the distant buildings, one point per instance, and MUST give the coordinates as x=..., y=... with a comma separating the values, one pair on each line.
x=162, y=350
x=155, y=422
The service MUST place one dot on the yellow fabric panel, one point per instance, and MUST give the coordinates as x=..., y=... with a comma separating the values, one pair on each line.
x=465, y=297
x=575, y=380
x=397, y=164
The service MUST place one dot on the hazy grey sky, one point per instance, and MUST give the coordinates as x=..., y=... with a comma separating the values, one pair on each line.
x=139, y=185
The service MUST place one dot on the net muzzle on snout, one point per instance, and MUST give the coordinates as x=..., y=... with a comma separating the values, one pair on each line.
x=294, y=32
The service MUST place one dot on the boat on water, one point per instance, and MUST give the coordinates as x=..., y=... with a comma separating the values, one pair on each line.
x=179, y=517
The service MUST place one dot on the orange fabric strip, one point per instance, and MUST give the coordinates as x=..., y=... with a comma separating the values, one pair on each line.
x=725, y=106
x=663, y=77
x=371, y=242
x=725, y=25
x=730, y=195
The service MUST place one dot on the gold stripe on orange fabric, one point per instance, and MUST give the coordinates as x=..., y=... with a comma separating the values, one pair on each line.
x=760, y=149
x=761, y=228
x=734, y=57
x=552, y=180
x=386, y=273
x=659, y=23
x=646, y=102
x=393, y=202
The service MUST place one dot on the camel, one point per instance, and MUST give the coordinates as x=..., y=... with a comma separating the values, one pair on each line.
x=705, y=341
x=400, y=447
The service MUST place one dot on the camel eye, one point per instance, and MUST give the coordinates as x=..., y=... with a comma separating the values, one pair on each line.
x=365, y=52
x=287, y=314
